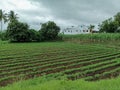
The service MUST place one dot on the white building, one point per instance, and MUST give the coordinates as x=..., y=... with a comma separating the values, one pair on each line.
x=76, y=30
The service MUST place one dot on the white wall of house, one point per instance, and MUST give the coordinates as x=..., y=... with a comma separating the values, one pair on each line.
x=76, y=30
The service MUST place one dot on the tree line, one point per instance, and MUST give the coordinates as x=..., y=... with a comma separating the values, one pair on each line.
x=111, y=25
x=20, y=32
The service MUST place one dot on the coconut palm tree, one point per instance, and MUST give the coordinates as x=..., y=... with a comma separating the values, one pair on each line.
x=12, y=16
x=3, y=17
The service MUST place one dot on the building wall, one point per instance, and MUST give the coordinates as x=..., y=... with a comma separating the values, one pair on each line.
x=76, y=30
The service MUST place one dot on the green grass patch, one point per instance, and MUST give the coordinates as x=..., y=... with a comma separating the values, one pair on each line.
x=48, y=84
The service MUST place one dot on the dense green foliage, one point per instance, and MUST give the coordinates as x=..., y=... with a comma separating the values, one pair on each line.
x=34, y=35
x=111, y=25
x=117, y=18
x=17, y=31
x=20, y=32
x=3, y=36
x=49, y=31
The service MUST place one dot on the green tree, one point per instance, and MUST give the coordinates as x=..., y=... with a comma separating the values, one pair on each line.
x=18, y=32
x=12, y=16
x=3, y=17
x=117, y=18
x=34, y=35
x=109, y=26
x=49, y=30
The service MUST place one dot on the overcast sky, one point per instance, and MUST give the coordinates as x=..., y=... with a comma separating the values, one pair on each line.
x=64, y=12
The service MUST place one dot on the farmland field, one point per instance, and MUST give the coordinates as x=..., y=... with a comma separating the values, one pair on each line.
x=55, y=59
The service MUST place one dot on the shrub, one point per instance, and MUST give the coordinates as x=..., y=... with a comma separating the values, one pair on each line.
x=34, y=35
x=49, y=31
x=18, y=32
x=3, y=36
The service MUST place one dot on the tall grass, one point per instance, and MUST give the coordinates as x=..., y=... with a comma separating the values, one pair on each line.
x=45, y=84
x=94, y=37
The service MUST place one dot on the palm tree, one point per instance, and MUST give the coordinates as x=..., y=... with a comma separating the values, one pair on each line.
x=3, y=17
x=12, y=16
x=91, y=27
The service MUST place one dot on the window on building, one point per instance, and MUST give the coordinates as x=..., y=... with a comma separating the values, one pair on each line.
x=76, y=30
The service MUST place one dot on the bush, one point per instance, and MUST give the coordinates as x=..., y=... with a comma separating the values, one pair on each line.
x=3, y=36
x=49, y=31
x=34, y=35
x=18, y=32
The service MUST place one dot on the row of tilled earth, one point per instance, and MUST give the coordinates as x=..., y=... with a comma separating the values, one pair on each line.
x=87, y=63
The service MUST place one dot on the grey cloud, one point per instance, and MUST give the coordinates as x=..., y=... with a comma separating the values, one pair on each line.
x=82, y=11
x=67, y=12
